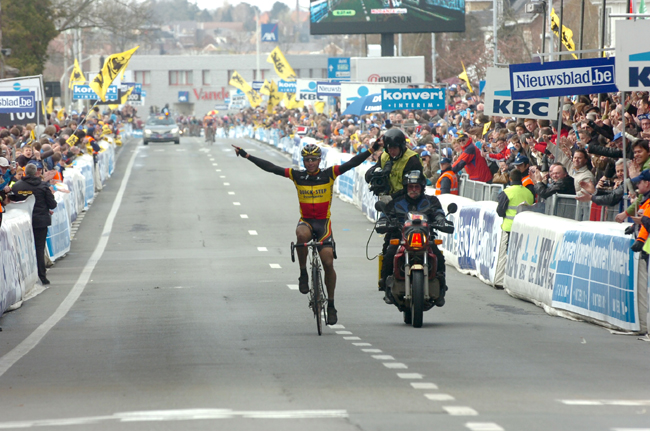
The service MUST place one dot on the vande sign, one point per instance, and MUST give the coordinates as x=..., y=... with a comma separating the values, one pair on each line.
x=201, y=94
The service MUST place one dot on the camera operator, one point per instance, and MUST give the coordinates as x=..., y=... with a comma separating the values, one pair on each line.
x=385, y=177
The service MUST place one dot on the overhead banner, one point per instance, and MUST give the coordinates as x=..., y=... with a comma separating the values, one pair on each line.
x=286, y=86
x=412, y=98
x=306, y=91
x=353, y=92
x=498, y=100
x=84, y=92
x=562, y=78
x=389, y=70
x=328, y=89
x=632, y=57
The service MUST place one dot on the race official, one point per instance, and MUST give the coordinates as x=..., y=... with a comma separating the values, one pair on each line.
x=448, y=181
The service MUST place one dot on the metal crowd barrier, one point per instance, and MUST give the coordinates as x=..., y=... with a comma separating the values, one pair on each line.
x=477, y=190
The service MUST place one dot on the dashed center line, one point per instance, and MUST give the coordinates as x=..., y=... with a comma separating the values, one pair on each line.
x=236, y=204
x=217, y=170
x=215, y=164
x=351, y=338
x=252, y=232
x=226, y=184
x=439, y=397
x=222, y=176
x=343, y=333
x=243, y=215
x=371, y=350
x=395, y=365
x=632, y=403
x=292, y=286
x=383, y=357
x=423, y=385
x=262, y=249
x=483, y=426
x=409, y=376
x=274, y=266
x=460, y=410
x=362, y=344
x=230, y=193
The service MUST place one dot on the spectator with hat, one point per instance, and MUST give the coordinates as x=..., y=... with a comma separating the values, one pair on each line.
x=522, y=164
x=448, y=181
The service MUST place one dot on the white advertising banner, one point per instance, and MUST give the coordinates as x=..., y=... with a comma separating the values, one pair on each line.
x=498, y=100
x=399, y=71
x=353, y=92
x=632, y=55
x=306, y=91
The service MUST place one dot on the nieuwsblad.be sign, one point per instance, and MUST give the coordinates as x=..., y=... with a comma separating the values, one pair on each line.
x=499, y=102
x=562, y=78
x=412, y=98
x=632, y=57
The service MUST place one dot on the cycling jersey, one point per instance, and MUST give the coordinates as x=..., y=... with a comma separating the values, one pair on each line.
x=314, y=190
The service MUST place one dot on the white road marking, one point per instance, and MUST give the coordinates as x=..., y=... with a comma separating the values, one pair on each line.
x=252, y=232
x=395, y=365
x=159, y=151
x=181, y=149
x=351, y=338
x=292, y=286
x=361, y=344
x=261, y=249
x=343, y=333
x=236, y=204
x=460, y=410
x=423, y=385
x=439, y=397
x=243, y=215
x=226, y=184
x=371, y=350
x=383, y=357
x=32, y=340
x=212, y=159
x=413, y=376
x=231, y=193
x=222, y=176
x=181, y=415
x=217, y=170
x=633, y=403
x=483, y=426
x=337, y=326
x=214, y=164
x=275, y=266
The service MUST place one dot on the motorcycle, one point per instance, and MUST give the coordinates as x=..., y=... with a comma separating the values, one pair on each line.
x=414, y=284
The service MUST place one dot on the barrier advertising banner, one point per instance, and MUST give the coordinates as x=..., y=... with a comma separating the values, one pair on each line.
x=58, y=233
x=562, y=78
x=328, y=89
x=632, y=57
x=412, y=98
x=498, y=100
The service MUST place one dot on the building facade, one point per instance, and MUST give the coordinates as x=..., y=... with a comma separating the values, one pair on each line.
x=194, y=85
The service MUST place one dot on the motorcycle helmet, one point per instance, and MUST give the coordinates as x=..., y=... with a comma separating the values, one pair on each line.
x=395, y=138
x=414, y=177
x=311, y=150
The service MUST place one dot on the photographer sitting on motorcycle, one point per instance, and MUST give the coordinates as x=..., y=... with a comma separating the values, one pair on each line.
x=385, y=177
x=413, y=200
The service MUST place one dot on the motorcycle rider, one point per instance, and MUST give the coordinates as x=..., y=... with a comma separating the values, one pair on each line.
x=399, y=159
x=414, y=199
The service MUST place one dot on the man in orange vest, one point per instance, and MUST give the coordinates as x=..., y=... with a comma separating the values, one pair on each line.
x=448, y=181
x=522, y=164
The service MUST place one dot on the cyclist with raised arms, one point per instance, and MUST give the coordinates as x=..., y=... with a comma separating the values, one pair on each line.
x=314, y=188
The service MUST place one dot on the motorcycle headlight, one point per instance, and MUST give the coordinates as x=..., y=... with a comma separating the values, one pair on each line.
x=147, y=131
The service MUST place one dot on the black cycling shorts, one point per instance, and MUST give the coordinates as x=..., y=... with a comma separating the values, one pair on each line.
x=322, y=228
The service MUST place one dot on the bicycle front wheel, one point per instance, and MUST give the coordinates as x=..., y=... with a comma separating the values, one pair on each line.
x=317, y=289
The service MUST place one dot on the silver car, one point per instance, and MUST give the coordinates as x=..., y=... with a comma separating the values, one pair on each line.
x=161, y=128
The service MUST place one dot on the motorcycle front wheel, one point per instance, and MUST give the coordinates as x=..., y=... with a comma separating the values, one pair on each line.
x=417, y=298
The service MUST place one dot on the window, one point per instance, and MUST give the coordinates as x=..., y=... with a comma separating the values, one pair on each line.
x=143, y=77
x=323, y=73
x=311, y=73
x=207, y=78
x=180, y=77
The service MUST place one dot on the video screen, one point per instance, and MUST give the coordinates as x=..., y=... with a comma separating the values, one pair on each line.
x=386, y=16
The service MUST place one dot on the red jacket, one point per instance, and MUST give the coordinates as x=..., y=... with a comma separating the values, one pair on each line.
x=474, y=164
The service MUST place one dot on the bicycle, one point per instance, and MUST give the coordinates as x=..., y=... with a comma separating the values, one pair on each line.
x=209, y=134
x=317, y=294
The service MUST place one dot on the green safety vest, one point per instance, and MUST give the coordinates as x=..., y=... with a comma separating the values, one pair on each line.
x=397, y=171
x=516, y=195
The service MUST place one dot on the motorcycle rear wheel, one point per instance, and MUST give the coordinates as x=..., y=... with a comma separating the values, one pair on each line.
x=417, y=297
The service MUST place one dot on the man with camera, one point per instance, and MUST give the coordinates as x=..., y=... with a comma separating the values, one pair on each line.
x=385, y=177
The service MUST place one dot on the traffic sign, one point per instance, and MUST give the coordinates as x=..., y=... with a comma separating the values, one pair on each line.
x=339, y=68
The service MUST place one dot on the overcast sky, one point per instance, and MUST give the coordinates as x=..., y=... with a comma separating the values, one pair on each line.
x=264, y=5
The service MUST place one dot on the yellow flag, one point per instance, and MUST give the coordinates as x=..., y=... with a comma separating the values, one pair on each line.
x=77, y=76
x=50, y=106
x=291, y=103
x=275, y=97
x=61, y=114
x=465, y=78
x=125, y=96
x=113, y=67
x=486, y=128
x=319, y=107
x=240, y=83
x=567, y=33
x=281, y=65
x=266, y=88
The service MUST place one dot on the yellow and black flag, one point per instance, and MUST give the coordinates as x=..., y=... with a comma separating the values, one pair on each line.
x=275, y=97
x=240, y=83
x=113, y=66
x=266, y=88
x=465, y=78
x=77, y=76
x=125, y=96
x=281, y=65
x=567, y=33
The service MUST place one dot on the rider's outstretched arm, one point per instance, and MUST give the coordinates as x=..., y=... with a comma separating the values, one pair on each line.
x=262, y=164
x=355, y=161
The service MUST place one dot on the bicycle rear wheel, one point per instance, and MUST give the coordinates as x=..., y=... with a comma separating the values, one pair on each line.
x=317, y=289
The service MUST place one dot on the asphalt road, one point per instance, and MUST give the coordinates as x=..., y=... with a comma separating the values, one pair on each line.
x=188, y=320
